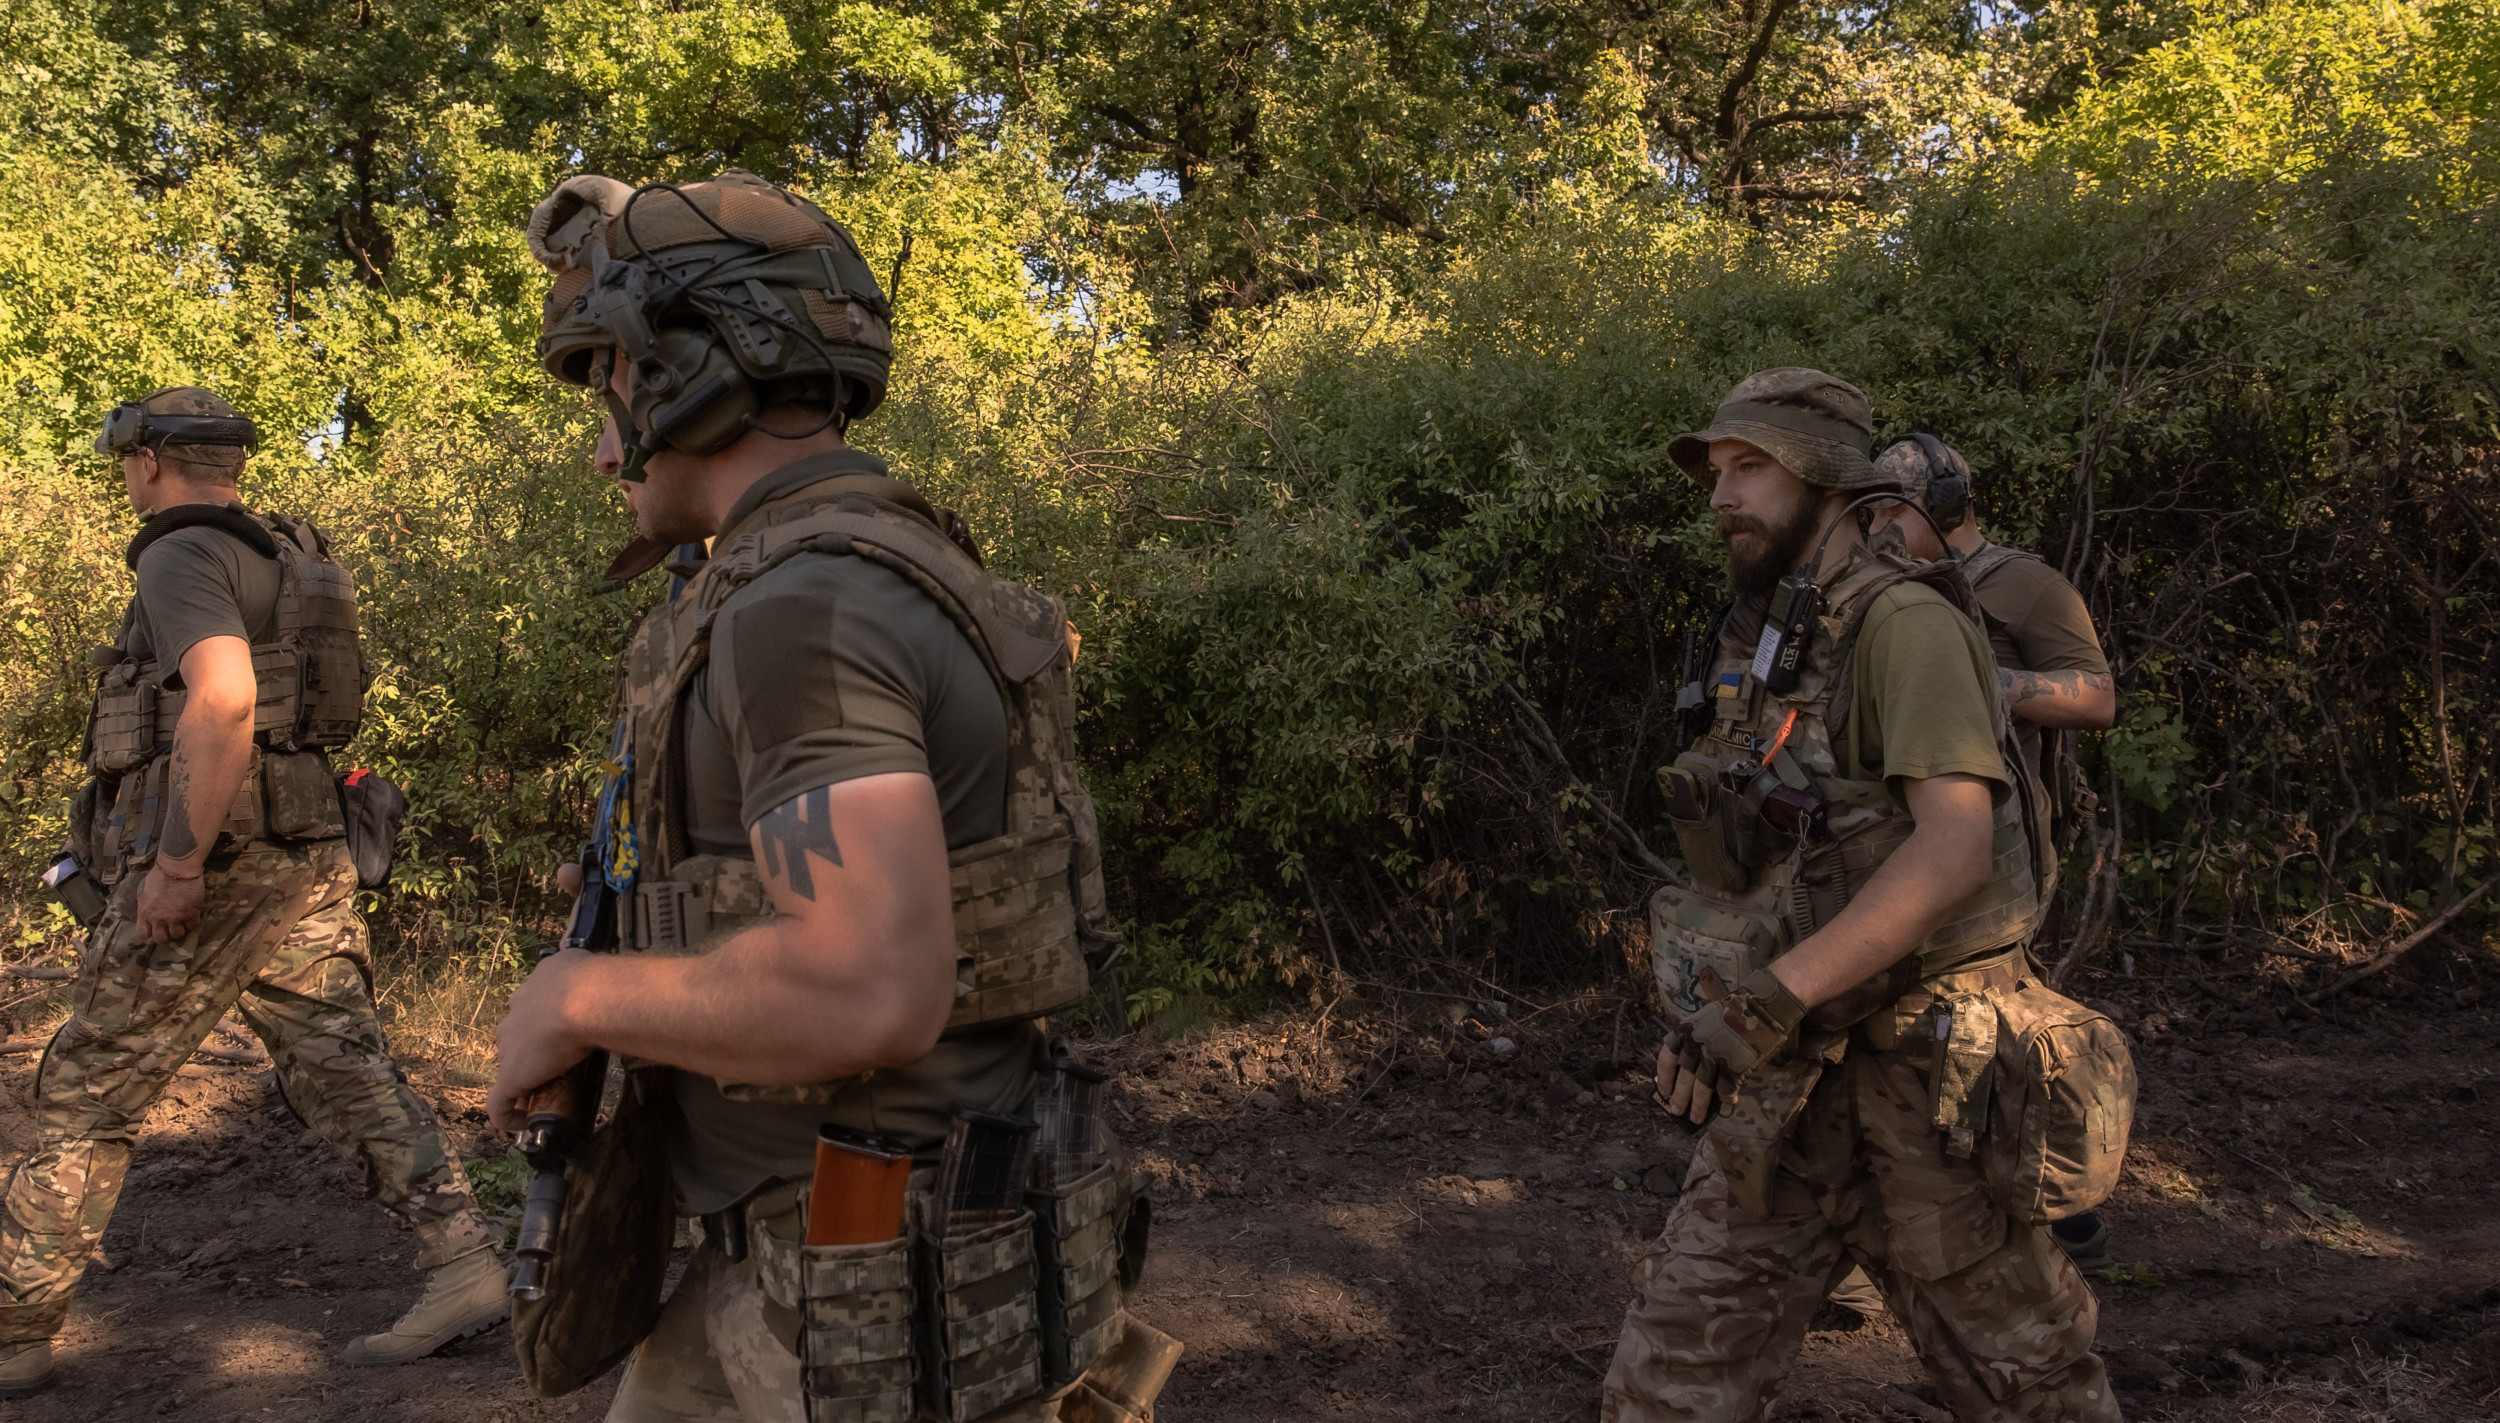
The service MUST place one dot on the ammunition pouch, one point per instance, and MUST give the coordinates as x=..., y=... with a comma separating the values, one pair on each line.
x=980, y=1326
x=1079, y=1235
x=603, y=1288
x=2064, y=1104
x=959, y=1325
x=855, y=1305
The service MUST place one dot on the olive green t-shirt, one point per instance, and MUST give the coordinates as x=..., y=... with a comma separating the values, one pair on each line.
x=194, y=584
x=1925, y=692
x=823, y=670
x=2041, y=625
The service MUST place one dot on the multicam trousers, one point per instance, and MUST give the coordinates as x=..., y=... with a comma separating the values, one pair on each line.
x=1998, y=1314
x=278, y=938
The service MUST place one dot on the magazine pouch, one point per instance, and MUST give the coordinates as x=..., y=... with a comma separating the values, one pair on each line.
x=980, y=1331
x=1077, y=1234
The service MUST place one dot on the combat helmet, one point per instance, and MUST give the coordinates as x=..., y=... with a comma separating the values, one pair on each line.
x=728, y=296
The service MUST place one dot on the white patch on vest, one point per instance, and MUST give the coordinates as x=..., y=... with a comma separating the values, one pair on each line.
x=1764, y=651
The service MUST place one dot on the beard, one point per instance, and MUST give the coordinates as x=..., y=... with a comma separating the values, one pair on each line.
x=673, y=504
x=1761, y=551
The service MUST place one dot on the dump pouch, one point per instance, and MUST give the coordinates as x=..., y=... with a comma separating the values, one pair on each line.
x=1078, y=1230
x=373, y=809
x=603, y=1288
x=980, y=1334
x=2064, y=1105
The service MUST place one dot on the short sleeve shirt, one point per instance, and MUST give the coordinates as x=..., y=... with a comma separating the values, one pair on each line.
x=2040, y=625
x=194, y=584
x=1926, y=691
x=824, y=670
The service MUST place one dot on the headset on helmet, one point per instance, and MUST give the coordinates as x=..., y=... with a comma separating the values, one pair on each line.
x=132, y=426
x=726, y=297
x=1948, y=482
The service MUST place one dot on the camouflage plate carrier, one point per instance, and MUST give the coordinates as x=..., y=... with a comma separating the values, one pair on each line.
x=311, y=697
x=1779, y=836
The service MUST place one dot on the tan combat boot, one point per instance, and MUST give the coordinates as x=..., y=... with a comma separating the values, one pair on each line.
x=26, y=1369
x=462, y=1297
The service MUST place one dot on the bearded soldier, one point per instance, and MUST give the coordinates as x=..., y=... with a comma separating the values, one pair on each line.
x=214, y=828
x=1864, y=849
x=853, y=861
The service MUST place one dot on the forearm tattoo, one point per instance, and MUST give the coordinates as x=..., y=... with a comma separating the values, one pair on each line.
x=179, y=841
x=2021, y=687
x=789, y=831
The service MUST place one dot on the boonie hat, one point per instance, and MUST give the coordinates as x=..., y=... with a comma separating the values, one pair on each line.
x=1818, y=426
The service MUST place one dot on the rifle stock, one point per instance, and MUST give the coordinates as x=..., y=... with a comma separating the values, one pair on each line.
x=562, y=1113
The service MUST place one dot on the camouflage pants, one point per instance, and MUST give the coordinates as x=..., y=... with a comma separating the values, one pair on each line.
x=279, y=938
x=2000, y=1317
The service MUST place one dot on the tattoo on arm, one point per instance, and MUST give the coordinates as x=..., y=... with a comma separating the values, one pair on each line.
x=789, y=831
x=178, y=841
x=2022, y=687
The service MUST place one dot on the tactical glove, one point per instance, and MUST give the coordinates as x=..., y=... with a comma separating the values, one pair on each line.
x=1756, y=1020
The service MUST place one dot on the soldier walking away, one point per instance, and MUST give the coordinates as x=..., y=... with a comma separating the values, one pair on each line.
x=1865, y=846
x=852, y=869
x=213, y=823
x=2050, y=666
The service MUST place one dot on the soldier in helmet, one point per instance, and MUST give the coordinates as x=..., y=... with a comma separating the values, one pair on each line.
x=212, y=824
x=855, y=867
x=1865, y=860
x=2050, y=667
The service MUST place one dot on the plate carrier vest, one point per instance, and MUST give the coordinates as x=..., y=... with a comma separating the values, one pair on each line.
x=1758, y=888
x=310, y=700
x=1027, y=902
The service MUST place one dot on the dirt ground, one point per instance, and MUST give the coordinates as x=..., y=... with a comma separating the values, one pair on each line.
x=1435, y=1215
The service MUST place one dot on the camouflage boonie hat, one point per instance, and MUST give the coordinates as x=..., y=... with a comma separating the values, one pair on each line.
x=1818, y=426
x=1906, y=462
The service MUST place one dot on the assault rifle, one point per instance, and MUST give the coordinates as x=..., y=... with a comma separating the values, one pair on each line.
x=562, y=1112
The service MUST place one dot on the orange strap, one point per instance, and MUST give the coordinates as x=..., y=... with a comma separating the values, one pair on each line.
x=1780, y=738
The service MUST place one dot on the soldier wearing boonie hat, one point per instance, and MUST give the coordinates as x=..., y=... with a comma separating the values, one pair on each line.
x=1858, y=830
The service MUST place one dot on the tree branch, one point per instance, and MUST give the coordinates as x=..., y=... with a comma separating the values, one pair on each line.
x=2407, y=944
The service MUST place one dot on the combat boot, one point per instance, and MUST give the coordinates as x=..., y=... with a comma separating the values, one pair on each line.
x=462, y=1297
x=26, y=1369
x=2085, y=1239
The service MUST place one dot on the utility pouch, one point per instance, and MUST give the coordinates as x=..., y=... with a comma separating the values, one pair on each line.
x=1700, y=948
x=980, y=1331
x=855, y=1305
x=130, y=828
x=603, y=1287
x=1077, y=1233
x=77, y=891
x=123, y=731
x=1962, y=1073
x=1699, y=812
x=2064, y=1105
x=299, y=797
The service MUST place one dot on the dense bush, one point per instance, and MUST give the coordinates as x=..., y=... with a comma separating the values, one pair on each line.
x=1385, y=582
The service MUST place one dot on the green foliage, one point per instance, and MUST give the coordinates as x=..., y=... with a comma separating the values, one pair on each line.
x=1325, y=362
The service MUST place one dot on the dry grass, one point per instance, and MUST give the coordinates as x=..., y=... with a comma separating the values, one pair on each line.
x=2394, y=1388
